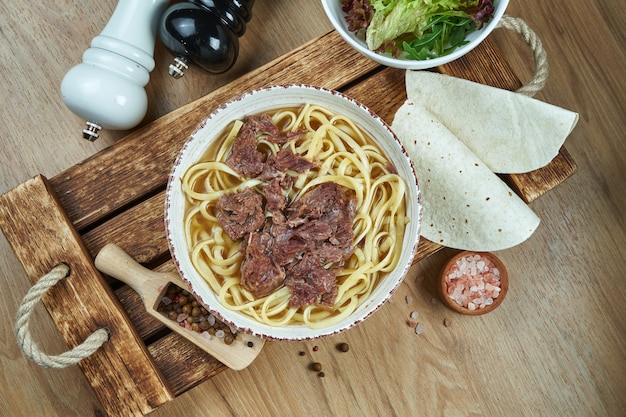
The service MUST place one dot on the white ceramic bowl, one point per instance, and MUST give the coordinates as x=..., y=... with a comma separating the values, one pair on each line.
x=256, y=102
x=337, y=18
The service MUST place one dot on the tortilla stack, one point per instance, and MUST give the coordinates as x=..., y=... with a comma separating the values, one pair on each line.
x=465, y=205
x=510, y=132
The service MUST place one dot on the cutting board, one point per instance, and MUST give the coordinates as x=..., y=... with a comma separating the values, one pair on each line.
x=117, y=196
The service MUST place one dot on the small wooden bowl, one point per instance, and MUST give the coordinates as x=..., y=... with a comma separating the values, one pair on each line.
x=451, y=265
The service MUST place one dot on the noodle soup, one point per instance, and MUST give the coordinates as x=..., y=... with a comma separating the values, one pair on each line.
x=339, y=152
x=334, y=154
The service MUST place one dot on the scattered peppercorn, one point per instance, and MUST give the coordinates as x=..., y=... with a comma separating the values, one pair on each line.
x=321, y=374
x=250, y=344
x=343, y=347
x=316, y=366
x=315, y=348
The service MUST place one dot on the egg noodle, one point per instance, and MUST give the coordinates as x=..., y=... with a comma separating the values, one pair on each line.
x=343, y=154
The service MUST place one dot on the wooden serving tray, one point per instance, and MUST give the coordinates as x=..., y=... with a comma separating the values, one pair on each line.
x=117, y=197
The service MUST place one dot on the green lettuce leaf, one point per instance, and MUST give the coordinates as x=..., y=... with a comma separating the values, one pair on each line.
x=393, y=18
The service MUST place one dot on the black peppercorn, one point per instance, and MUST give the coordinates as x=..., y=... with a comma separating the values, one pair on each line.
x=344, y=347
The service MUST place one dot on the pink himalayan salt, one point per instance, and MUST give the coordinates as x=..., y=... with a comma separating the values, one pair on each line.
x=473, y=282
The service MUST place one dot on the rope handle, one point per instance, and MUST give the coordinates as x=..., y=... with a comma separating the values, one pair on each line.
x=539, y=54
x=22, y=326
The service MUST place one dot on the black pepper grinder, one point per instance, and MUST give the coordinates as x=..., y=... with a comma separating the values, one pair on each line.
x=205, y=33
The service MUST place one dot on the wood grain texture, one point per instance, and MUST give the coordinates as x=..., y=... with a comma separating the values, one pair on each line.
x=184, y=364
x=121, y=371
x=532, y=185
x=563, y=355
x=134, y=218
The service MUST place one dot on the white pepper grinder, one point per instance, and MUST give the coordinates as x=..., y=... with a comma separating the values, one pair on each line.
x=107, y=88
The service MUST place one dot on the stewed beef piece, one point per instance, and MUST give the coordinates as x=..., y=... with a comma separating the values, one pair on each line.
x=260, y=274
x=276, y=167
x=263, y=124
x=309, y=281
x=329, y=203
x=286, y=160
x=240, y=213
x=248, y=161
x=245, y=158
x=274, y=196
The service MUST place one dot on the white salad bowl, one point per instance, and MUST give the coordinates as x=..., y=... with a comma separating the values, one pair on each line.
x=256, y=102
x=337, y=19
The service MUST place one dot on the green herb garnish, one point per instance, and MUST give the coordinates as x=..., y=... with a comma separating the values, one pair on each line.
x=443, y=34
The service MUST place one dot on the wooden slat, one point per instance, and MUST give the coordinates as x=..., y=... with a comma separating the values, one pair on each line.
x=139, y=230
x=121, y=372
x=383, y=92
x=484, y=65
x=532, y=185
x=184, y=364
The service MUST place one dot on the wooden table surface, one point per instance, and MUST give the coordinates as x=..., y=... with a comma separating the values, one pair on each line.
x=557, y=345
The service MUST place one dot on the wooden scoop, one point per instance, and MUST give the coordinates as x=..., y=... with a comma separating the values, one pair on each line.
x=150, y=285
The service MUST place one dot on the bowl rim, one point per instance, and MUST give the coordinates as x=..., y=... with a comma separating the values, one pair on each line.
x=332, y=9
x=504, y=283
x=199, y=140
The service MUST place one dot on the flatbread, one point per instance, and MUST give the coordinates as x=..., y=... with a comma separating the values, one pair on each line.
x=510, y=132
x=465, y=205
